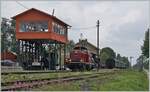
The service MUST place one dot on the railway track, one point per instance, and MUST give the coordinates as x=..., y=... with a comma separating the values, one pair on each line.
x=27, y=84
x=31, y=72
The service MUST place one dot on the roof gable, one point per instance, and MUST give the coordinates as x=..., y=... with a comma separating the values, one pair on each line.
x=33, y=9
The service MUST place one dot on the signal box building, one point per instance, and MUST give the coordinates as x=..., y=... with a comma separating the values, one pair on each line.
x=35, y=24
x=41, y=38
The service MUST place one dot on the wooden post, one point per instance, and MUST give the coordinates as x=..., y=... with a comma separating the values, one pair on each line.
x=60, y=56
x=49, y=57
x=22, y=56
x=18, y=52
x=32, y=51
x=25, y=58
x=64, y=52
x=55, y=55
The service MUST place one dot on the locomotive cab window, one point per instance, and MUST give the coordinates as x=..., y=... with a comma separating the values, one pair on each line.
x=35, y=26
x=77, y=48
x=83, y=49
x=80, y=48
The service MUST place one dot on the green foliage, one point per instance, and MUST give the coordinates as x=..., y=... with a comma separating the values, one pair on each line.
x=146, y=65
x=123, y=80
x=118, y=57
x=30, y=76
x=127, y=81
x=139, y=63
x=13, y=23
x=104, y=56
x=66, y=86
x=70, y=45
x=8, y=38
x=145, y=54
x=123, y=59
x=126, y=61
x=107, y=53
x=145, y=47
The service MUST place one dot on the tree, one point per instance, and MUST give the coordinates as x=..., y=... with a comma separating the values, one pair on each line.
x=145, y=53
x=13, y=36
x=8, y=39
x=104, y=56
x=145, y=47
x=139, y=63
x=123, y=59
x=107, y=53
x=118, y=57
x=70, y=45
x=126, y=61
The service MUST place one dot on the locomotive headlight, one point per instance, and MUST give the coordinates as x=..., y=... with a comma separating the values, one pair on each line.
x=69, y=60
x=81, y=60
x=66, y=60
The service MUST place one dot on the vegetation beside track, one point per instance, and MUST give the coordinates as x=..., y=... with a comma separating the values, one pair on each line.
x=17, y=77
x=127, y=80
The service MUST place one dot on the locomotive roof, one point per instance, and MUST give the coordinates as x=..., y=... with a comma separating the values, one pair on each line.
x=80, y=46
x=86, y=45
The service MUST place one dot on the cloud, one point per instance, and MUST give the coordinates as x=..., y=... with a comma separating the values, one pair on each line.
x=131, y=17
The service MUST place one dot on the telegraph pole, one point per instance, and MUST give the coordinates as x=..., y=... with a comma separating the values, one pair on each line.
x=131, y=60
x=98, y=38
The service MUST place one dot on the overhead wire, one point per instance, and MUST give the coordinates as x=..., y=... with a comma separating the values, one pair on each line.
x=83, y=28
x=73, y=28
x=22, y=5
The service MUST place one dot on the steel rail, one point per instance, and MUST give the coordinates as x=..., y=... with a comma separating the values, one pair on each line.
x=18, y=85
x=28, y=72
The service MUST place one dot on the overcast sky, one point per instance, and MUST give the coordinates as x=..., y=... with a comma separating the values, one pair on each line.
x=122, y=23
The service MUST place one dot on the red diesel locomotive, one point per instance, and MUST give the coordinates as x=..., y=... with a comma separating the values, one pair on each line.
x=80, y=59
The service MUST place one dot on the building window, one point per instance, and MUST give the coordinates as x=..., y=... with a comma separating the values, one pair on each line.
x=36, y=26
x=58, y=28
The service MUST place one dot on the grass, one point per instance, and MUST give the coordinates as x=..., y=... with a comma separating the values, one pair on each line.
x=66, y=86
x=127, y=80
x=15, y=77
